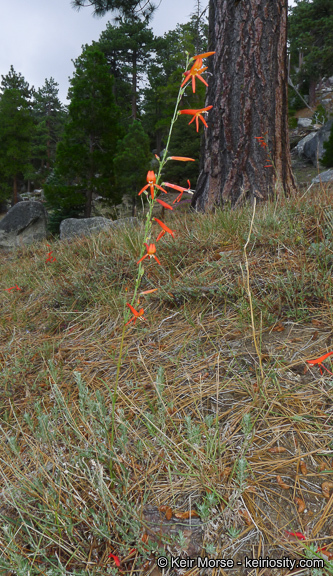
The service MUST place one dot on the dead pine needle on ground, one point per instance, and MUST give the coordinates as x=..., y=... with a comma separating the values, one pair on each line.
x=223, y=441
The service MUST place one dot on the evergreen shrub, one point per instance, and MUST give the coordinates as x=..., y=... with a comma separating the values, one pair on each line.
x=62, y=200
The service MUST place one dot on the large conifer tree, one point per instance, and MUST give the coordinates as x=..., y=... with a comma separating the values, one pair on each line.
x=49, y=115
x=310, y=32
x=248, y=90
x=127, y=49
x=16, y=132
x=84, y=156
x=125, y=7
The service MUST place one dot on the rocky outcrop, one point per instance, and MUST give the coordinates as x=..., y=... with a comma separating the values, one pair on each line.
x=326, y=176
x=304, y=122
x=24, y=223
x=314, y=147
x=301, y=143
x=72, y=227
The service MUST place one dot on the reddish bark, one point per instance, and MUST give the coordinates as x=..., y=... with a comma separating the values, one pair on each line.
x=248, y=83
x=312, y=93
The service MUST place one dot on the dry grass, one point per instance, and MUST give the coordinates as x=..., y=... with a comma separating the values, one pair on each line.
x=206, y=421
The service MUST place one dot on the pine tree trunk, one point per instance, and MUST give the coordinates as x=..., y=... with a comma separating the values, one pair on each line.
x=48, y=145
x=248, y=84
x=134, y=85
x=87, y=210
x=300, y=59
x=312, y=93
x=48, y=155
x=134, y=209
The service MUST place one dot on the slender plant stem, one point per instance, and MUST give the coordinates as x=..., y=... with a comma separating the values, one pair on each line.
x=249, y=293
x=162, y=163
x=114, y=398
x=147, y=234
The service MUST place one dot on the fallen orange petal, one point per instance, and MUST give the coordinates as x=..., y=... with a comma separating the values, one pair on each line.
x=115, y=558
x=301, y=505
x=186, y=515
x=320, y=359
x=326, y=487
x=246, y=517
x=281, y=483
x=303, y=468
x=167, y=510
x=298, y=535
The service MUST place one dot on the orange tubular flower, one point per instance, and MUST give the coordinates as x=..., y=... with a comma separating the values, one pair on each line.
x=148, y=291
x=194, y=73
x=151, y=179
x=196, y=115
x=136, y=314
x=181, y=158
x=263, y=144
x=261, y=141
x=13, y=288
x=165, y=229
x=319, y=361
x=151, y=249
x=164, y=204
x=205, y=55
x=179, y=188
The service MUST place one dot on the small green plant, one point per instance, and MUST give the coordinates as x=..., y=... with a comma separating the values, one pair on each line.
x=210, y=549
x=233, y=532
x=292, y=122
x=205, y=508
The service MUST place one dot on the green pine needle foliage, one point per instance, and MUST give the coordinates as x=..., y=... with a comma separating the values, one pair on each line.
x=132, y=161
x=16, y=131
x=62, y=200
x=84, y=156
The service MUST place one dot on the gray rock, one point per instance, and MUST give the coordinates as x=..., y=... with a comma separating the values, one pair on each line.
x=304, y=122
x=24, y=223
x=326, y=176
x=301, y=143
x=71, y=227
x=314, y=148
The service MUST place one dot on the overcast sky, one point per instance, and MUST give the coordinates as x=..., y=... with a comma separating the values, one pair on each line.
x=41, y=37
